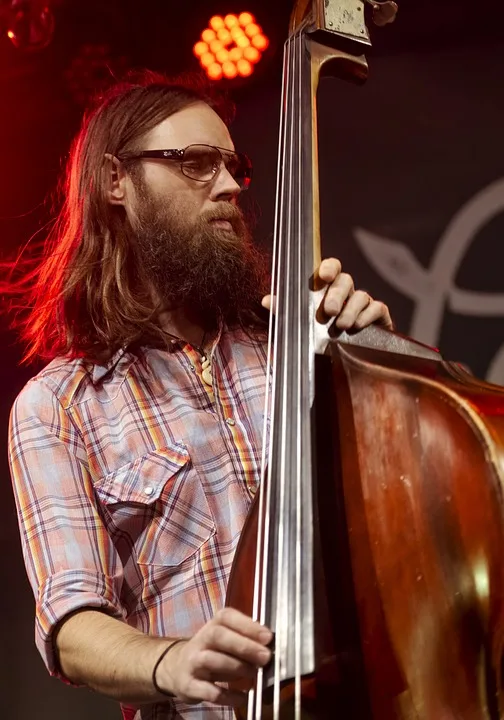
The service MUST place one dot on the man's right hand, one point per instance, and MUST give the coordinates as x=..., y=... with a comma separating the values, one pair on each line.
x=231, y=646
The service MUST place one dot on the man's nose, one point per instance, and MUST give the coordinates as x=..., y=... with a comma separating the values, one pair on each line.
x=224, y=185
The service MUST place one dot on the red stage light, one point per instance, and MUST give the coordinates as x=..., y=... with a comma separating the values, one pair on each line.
x=245, y=19
x=224, y=36
x=216, y=23
x=207, y=59
x=200, y=48
x=235, y=54
x=229, y=70
x=215, y=71
x=242, y=41
x=251, y=54
x=260, y=42
x=231, y=46
x=237, y=32
x=215, y=46
x=244, y=68
x=29, y=25
x=222, y=56
x=252, y=29
x=208, y=35
x=230, y=21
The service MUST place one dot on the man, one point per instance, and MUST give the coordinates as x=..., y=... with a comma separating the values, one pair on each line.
x=135, y=453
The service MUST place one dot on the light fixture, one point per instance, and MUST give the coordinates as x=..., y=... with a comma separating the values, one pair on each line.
x=231, y=46
x=29, y=24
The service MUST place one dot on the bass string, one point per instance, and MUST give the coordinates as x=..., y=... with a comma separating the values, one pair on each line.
x=290, y=292
x=265, y=501
x=285, y=353
x=299, y=316
x=284, y=350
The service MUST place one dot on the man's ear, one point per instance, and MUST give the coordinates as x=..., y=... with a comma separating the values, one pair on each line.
x=115, y=180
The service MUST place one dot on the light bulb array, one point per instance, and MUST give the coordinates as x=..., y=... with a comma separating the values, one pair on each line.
x=231, y=46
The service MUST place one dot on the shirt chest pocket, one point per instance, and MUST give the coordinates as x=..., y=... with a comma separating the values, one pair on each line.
x=157, y=508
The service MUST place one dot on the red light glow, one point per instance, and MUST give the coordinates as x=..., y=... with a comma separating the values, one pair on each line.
x=216, y=23
x=208, y=35
x=235, y=54
x=242, y=41
x=229, y=70
x=207, y=59
x=252, y=54
x=231, y=46
x=222, y=56
x=200, y=49
x=230, y=21
x=245, y=19
x=215, y=71
x=224, y=36
x=236, y=32
x=260, y=42
x=252, y=29
x=215, y=46
x=244, y=68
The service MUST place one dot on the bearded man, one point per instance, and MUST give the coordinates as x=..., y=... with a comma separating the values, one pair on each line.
x=135, y=453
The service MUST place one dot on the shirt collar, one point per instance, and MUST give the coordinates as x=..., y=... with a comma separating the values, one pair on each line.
x=101, y=371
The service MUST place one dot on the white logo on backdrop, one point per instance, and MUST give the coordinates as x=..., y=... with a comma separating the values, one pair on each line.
x=434, y=288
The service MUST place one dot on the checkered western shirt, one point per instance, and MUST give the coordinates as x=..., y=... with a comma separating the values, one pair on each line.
x=132, y=484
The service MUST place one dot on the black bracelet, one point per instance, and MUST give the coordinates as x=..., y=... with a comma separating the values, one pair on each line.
x=158, y=662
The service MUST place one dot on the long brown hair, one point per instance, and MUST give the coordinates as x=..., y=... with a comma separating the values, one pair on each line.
x=86, y=296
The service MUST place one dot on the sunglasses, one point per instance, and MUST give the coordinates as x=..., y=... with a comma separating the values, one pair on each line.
x=202, y=162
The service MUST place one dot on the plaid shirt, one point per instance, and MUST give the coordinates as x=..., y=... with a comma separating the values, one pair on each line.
x=132, y=484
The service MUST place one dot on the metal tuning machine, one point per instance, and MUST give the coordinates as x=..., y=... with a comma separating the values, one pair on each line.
x=384, y=11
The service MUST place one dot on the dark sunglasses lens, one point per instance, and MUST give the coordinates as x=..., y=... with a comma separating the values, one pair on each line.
x=200, y=162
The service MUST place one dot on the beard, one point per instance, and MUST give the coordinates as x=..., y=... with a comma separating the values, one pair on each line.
x=215, y=274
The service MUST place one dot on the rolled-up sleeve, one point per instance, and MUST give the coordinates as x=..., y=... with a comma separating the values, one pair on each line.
x=69, y=556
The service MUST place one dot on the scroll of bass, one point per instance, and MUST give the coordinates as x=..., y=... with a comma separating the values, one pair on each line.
x=374, y=547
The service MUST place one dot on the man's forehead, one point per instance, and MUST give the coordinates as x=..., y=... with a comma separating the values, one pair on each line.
x=195, y=124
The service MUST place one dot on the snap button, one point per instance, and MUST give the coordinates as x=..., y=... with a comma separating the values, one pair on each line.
x=148, y=490
x=230, y=421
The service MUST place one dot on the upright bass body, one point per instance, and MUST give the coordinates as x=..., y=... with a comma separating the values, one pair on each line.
x=409, y=526
x=373, y=550
x=420, y=462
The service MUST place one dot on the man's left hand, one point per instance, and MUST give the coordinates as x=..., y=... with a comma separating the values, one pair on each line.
x=352, y=308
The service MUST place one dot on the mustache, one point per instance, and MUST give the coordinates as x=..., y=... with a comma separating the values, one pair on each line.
x=224, y=211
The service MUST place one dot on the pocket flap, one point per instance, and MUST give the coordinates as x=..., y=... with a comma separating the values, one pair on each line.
x=142, y=481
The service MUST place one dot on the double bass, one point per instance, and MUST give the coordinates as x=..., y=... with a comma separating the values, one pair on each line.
x=374, y=547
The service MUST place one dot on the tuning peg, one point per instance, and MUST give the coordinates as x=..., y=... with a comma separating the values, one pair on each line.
x=384, y=11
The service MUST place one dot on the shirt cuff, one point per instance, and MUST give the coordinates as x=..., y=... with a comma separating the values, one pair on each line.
x=63, y=593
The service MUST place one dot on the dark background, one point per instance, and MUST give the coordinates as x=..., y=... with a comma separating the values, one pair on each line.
x=400, y=157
